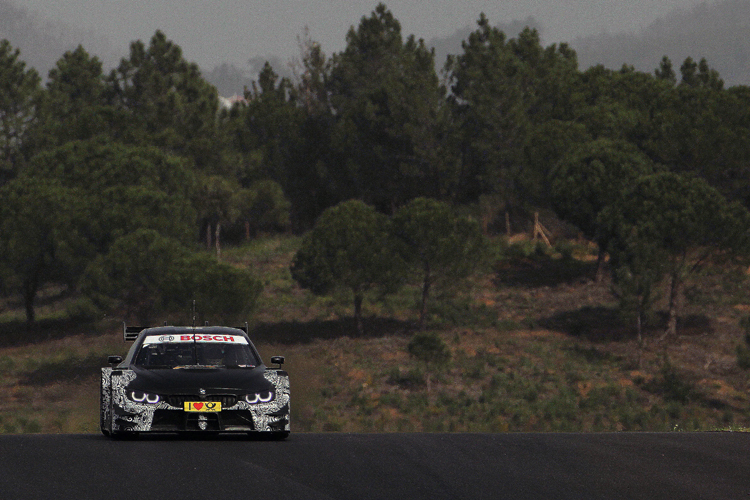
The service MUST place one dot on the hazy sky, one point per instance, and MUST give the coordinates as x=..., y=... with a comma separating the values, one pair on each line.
x=212, y=32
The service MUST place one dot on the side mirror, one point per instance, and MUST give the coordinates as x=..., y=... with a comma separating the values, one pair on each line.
x=114, y=360
x=279, y=360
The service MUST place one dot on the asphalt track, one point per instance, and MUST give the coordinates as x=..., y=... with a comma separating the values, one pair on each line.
x=671, y=466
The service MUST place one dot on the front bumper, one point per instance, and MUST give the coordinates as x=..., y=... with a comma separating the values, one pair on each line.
x=119, y=414
x=176, y=420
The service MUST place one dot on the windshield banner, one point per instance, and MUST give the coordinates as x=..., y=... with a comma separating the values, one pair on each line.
x=177, y=339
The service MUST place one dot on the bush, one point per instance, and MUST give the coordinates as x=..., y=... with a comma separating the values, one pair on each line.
x=526, y=249
x=429, y=348
x=145, y=274
x=83, y=310
x=410, y=379
x=672, y=385
x=221, y=291
x=350, y=248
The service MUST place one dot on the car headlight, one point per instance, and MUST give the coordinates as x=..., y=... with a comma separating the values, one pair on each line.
x=259, y=397
x=144, y=397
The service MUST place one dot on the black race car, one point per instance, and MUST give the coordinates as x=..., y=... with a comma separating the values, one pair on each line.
x=193, y=379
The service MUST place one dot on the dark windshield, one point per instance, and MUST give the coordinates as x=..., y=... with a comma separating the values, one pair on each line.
x=171, y=355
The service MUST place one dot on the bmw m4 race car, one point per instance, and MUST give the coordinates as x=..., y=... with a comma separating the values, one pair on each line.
x=193, y=379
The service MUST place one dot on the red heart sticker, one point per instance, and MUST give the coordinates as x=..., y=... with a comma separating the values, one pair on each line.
x=197, y=406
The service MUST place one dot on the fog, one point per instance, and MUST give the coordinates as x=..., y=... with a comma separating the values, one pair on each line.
x=235, y=31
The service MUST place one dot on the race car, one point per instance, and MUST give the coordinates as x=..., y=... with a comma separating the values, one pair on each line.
x=187, y=379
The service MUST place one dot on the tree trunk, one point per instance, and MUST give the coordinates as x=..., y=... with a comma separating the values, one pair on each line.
x=208, y=235
x=507, y=224
x=425, y=296
x=675, y=293
x=640, y=336
x=29, y=296
x=639, y=326
x=358, y=313
x=217, y=240
x=600, y=261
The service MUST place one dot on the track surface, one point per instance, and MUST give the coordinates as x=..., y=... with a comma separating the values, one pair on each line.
x=380, y=466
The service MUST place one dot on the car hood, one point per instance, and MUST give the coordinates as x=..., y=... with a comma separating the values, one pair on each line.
x=191, y=380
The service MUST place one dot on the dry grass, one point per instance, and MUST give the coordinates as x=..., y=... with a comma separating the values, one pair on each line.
x=535, y=346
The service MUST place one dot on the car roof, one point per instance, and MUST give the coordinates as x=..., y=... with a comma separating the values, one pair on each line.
x=186, y=330
x=203, y=330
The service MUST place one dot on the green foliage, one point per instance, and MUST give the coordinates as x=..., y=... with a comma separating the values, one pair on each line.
x=269, y=124
x=700, y=75
x=743, y=356
x=389, y=116
x=133, y=274
x=217, y=200
x=145, y=274
x=146, y=147
x=282, y=135
x=502, y=90
x=407, y=379
x=680, y=213
x=40, y=236
x=637, y=274
x=75, y=105
x=672, y=384
x=166, y=102
x=264, y=207
x=100, y=163
x=439, y=247
x=667, y=224
x=591, y=176
x=223, y=292
x=702, y=129
x=351, y=248
x=19, y=98
x=525, y=249
x=665, y=71
x=123, y=188
x=83, y=310
x=429, y=348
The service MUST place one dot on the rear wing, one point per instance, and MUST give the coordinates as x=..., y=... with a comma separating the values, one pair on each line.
x=130, y=333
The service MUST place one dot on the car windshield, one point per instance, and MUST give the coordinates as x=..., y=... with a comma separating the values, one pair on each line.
x=230, y=351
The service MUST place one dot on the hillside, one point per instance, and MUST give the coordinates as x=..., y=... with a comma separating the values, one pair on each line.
x=717, y=32
x=535, y=345
x=42, y=42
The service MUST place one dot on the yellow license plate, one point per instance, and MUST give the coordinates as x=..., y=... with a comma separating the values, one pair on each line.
x=203, y=406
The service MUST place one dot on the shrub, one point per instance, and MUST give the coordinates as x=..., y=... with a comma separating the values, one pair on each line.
x=145, y=273
x=672, y=385
x=429, y=348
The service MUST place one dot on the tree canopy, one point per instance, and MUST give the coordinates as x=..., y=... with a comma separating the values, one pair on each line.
x=351, y=248
x=666, y=224
x=508, y=126
x=439, y=247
